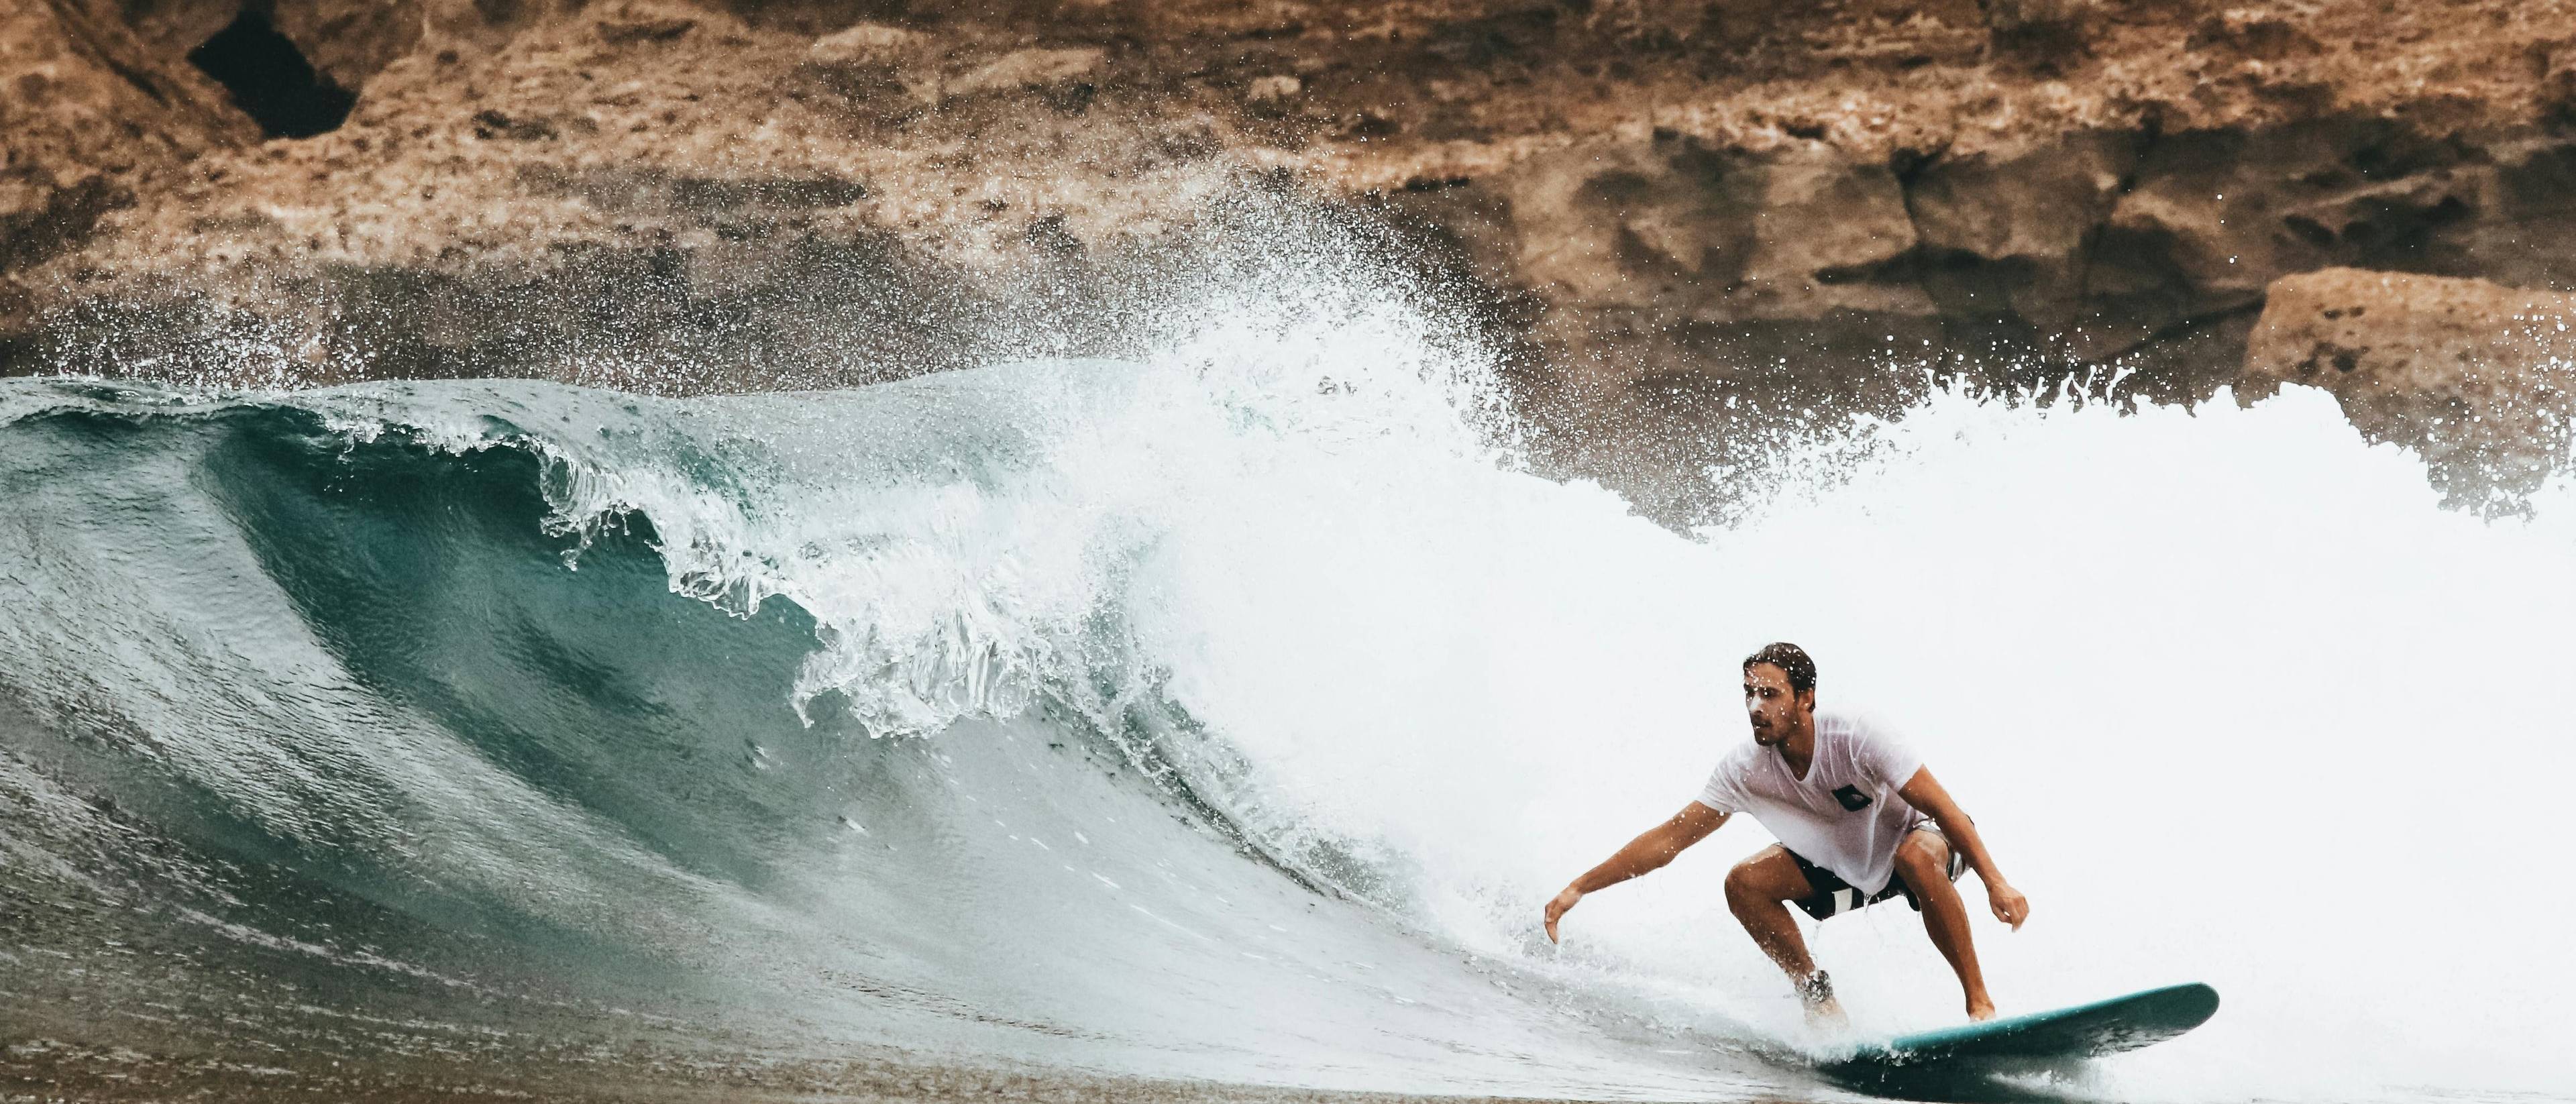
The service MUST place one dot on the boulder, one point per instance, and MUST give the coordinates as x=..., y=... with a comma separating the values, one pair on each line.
x=2215, y=216
x=2478, y=377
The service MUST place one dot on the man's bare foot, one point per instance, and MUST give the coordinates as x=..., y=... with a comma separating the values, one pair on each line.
x=1817, y=994
x=1981, y=1009
x=1827, y=1013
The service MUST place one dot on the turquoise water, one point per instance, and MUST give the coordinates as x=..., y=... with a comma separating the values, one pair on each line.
x=1227, y=714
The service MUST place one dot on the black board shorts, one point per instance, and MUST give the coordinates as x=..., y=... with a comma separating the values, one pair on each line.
x=1834, y=896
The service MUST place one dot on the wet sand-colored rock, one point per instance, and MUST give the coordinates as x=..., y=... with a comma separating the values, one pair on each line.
x=2478, y=377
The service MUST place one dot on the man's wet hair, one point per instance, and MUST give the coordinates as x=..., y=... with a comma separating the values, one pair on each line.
x=1791, y=660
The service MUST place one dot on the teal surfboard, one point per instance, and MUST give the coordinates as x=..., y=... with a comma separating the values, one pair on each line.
x=2040, y=1040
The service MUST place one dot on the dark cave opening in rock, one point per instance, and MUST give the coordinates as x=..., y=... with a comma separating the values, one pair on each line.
x=271, y=81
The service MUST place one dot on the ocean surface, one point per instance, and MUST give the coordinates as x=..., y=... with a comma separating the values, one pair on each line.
x=1227, y=713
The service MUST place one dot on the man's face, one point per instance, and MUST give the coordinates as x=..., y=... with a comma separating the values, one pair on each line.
x=1775, y=711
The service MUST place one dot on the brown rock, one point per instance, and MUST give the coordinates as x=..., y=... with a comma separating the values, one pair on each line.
x=1026, y=69
x=2007, y=231
x=2252, y=33
x=41, y=216
x=1669, y=205
x=2511, y=208
x=2214, y=217
x=2042, y=31
x=1828, y=223
x=1713, y=234
x=2479, y=378
x=2032, y=205
x=1272, y=88
x=865, y=43
x=2557, y=64
x=86, y=107
x=1628, y=224
x=627, y=32
x=350, y=41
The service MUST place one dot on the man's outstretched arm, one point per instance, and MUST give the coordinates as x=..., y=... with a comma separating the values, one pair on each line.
x=1924, y=792
x=1649, y=851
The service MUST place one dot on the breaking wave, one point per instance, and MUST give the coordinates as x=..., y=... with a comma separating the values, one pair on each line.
x=1227, y=714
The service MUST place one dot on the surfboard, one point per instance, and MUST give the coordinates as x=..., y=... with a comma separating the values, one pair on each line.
x=2038, y=1040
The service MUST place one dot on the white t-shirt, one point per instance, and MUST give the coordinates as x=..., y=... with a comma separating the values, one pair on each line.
x=1845, y=815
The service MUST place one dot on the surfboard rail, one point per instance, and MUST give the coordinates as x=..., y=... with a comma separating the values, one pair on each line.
x=2107, y=1026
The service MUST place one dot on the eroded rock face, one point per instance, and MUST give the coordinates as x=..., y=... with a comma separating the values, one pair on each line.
x=1706, y=233
x=92, y=111
x=2478, y=378
x=1672, y=212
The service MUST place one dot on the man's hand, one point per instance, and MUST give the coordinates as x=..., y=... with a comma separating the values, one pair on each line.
x=1924, y=792
x=1556, y=907
x=1646, y=852
x=2009, y=905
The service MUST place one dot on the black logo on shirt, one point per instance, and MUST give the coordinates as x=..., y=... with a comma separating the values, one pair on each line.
x=1853, y=800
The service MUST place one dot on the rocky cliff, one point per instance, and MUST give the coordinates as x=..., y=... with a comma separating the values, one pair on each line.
x=1673, y=213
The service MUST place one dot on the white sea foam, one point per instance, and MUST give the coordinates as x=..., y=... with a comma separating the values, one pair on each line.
x=2232, y=697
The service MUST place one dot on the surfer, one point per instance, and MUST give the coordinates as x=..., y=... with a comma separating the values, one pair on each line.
x=1860, y=820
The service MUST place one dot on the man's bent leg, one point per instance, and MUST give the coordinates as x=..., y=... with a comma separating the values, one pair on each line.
x=1923, y=861
x=1756, y=892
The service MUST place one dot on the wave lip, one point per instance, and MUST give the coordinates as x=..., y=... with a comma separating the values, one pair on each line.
x=514, y=706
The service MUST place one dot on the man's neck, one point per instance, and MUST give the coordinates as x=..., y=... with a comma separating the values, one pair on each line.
x=1799, y=750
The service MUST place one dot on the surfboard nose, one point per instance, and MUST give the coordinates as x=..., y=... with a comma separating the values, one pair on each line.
x=2190, y=1004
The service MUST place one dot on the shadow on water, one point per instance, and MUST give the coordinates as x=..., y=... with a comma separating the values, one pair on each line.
x=1954, y=1082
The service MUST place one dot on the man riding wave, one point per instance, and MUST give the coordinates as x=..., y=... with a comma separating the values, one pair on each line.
x=1859, y=818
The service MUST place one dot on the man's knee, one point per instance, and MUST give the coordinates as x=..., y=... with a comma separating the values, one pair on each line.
x=1923, y=859
x=1741, y=882
x=1758, y=881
